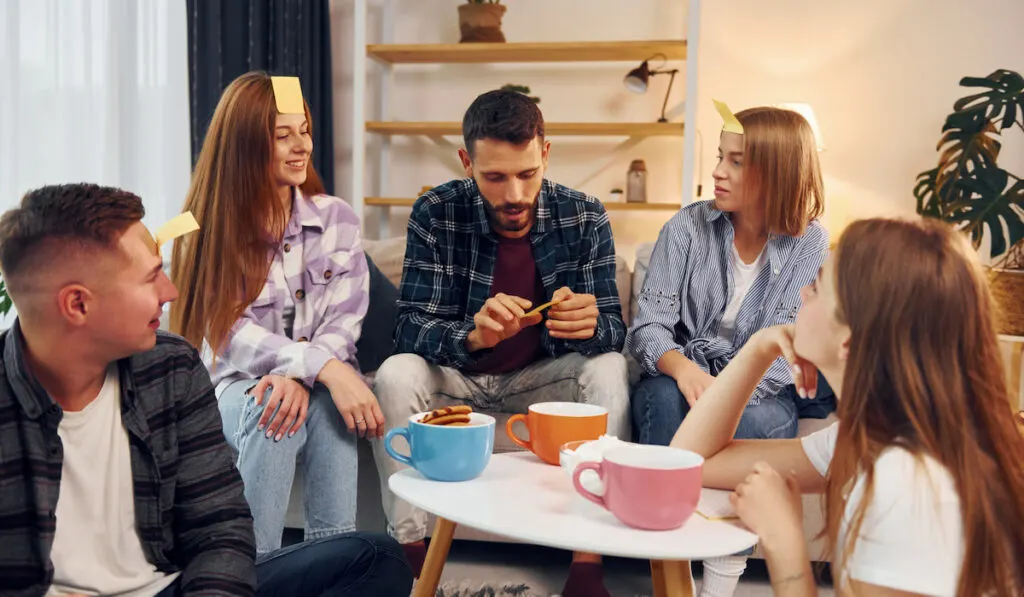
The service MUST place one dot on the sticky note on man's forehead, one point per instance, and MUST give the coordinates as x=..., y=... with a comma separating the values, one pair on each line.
x=288, y=95
x=731, y=123
x=177, y=226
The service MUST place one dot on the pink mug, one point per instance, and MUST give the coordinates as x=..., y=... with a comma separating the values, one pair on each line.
x=655, y=488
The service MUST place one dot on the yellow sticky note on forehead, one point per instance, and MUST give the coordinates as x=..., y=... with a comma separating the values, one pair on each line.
x=177, y=226
x=731, y=123
x=288, y=95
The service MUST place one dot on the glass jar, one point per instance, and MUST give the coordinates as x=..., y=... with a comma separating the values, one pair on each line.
x=636, y=182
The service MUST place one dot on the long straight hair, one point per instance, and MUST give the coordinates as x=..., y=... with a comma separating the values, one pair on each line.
x=781, y=156
x=924, y=373
x=221, y=269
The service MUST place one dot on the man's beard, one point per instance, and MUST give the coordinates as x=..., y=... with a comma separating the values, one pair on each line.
x=497, y=217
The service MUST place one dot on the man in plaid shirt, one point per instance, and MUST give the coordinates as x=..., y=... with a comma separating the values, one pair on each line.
x=481, y=253
x=115, y=477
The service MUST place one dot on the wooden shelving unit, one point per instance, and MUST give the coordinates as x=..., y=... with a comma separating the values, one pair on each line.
x=600, y=51
x=610, y=206
x=557, y=129
x=387, y=55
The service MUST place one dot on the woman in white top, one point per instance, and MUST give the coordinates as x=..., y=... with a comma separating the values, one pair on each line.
x=923, y=475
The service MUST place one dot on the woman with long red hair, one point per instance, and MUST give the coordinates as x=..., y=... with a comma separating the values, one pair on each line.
x=923, y=475
x=274, y=287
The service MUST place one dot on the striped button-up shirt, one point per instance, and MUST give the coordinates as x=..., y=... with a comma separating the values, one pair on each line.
x=449, y=267
x=319, y=269
x=689, y=284
x=190, y=512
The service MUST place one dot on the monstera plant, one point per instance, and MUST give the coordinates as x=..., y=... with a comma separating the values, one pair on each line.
x=970, y=190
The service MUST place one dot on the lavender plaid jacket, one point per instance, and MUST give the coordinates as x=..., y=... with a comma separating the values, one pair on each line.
x=320, y=269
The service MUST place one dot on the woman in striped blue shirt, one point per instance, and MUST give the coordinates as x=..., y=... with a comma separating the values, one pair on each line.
x=720, y=271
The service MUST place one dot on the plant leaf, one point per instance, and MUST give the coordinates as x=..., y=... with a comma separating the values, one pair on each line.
x=992, y=201
x=1002, y=101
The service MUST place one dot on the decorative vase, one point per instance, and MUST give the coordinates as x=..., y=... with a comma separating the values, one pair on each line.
x=481, y=23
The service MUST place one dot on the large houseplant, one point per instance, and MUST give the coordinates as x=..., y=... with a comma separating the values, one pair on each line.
x=970, y=190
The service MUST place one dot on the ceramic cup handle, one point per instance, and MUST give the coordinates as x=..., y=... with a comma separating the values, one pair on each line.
x=588, y=466
x=404, y=432
x=523, y=443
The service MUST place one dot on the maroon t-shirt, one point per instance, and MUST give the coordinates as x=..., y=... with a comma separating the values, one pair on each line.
x=515, y=274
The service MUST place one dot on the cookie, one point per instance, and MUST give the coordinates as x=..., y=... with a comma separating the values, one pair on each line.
x=450, y=419
x=447, y=410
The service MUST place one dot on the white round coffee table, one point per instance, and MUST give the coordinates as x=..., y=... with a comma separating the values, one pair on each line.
x=520, y=497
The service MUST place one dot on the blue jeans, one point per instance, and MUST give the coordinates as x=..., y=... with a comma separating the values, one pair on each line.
x=324, y=448
x=659, y=408
x=356, y=564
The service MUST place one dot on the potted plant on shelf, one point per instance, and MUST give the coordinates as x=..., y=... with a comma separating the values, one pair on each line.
x=480, y=21
x=971, y=191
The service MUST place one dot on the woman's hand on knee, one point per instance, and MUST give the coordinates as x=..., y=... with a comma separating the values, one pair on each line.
x=353, y=399
x=287, y=403
x=693, y=382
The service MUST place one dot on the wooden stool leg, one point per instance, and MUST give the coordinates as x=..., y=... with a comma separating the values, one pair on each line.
x=671, y=578
x=437, y=553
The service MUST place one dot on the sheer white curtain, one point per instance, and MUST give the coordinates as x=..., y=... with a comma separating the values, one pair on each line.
x=95, y=91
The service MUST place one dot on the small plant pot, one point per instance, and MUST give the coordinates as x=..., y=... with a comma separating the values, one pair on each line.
x=481, y=23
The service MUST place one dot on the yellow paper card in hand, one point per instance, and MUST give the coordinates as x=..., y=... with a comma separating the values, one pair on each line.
x=288, y=95
x=540, y=308
x=177, y=226
x=731, y=123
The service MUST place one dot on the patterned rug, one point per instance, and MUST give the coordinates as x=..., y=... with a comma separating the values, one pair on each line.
x=470, y=589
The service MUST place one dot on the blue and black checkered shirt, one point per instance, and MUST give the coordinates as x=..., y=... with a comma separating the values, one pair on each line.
x=449, y=266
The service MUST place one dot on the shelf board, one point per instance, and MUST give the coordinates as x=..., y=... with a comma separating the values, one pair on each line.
x=404, y=202
x=598, y=51
x=551, y=129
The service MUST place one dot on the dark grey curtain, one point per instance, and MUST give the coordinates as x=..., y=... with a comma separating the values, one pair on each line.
x=228, y=38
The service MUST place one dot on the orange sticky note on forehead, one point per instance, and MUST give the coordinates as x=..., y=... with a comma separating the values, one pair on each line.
x=288, y=95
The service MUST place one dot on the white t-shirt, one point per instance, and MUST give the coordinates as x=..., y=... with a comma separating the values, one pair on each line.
x=912, y=537
x=96, y=549
x=743, y=276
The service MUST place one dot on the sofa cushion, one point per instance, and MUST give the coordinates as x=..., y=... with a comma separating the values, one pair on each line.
x=388, y=254
x=377, y=340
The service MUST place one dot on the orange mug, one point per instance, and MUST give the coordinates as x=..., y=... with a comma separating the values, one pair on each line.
x=553, y=424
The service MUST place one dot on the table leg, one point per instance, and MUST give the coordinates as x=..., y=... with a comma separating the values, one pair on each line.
x=671, y=578
x=437, y=553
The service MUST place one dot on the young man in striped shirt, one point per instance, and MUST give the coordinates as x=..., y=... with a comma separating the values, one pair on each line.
x=481, y=252
x=115, y=478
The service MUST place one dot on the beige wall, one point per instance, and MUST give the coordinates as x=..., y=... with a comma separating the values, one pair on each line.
x=880, y=74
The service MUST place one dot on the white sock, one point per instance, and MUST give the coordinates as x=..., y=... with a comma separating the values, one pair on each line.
x=721, y=575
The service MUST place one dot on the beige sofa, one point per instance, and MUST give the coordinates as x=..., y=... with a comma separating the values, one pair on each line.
x=388, y=255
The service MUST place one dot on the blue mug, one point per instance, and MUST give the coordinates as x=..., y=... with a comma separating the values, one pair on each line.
x=445, y=453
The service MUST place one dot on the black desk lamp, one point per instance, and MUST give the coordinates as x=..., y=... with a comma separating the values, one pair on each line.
x=636, y=81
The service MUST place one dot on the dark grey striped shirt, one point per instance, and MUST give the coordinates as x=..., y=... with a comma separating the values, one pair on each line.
x=190, y=512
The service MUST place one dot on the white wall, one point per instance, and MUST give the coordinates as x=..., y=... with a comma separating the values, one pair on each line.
x=880, y=74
